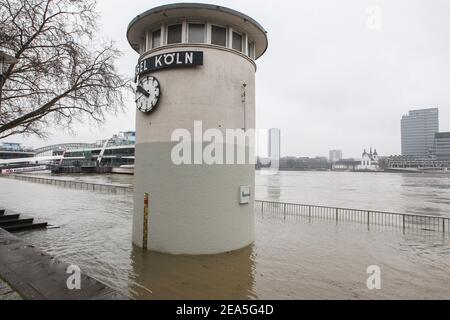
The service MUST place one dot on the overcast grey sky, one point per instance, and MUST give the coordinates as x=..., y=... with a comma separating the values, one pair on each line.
x=327, y=80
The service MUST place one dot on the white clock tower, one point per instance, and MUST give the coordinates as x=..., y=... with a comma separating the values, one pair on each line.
x=196, y=66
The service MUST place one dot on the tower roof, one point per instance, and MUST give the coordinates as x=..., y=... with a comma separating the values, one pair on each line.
x=201, y=11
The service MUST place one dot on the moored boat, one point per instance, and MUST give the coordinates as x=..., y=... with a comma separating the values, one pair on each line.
x=125, y=169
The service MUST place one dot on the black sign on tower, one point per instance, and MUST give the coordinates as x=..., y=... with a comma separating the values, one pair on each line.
x=170, y=60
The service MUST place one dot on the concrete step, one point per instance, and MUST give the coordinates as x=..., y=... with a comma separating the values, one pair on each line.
x=25, y=227
x=38, y=276
x=9, y=217
x=13, y=222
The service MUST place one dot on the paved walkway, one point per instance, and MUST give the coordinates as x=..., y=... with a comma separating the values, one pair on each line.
x=38, y=276
x=7, y=293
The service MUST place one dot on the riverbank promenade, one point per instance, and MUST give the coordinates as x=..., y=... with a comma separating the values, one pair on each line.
x=8, y=293
x=30, y=274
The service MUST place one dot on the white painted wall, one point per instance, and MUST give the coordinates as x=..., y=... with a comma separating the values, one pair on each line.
x=194, y=209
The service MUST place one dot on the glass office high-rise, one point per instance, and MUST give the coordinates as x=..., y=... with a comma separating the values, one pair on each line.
x=442, y=140
x=418, y=132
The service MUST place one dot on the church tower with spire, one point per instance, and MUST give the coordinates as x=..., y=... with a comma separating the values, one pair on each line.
x=369, y=161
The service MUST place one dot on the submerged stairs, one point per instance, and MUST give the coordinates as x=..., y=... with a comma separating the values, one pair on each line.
x=14, y=222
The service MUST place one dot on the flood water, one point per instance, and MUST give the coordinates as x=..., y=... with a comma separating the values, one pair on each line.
x=403, y=193
x=291, y=259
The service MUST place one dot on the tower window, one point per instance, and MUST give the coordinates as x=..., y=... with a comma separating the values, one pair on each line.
x=251, y=50
x=156, y=38
x=196, y=33
x=237, y=41
x=219, y=36
x=174, y=33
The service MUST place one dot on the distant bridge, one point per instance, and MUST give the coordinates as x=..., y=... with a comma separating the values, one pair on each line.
x=64, y=146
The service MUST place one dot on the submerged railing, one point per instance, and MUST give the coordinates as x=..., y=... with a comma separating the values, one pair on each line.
x=73, y=184
x=372, y=219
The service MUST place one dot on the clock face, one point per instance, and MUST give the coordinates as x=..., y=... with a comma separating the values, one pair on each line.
x=148, y=92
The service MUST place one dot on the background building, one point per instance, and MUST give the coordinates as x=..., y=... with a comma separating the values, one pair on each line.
x=335, y=156
x=418, y=132
x=442, y=142
x=346, y=165
x=121, y=139
x=369, y=161
x=113, y=152
x=11, y=150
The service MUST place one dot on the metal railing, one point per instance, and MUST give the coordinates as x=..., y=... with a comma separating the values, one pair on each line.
x=370, y=219
x=79, y=185
x=406, y=223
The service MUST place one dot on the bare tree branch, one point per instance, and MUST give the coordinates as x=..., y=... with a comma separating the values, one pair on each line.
x=62, y=76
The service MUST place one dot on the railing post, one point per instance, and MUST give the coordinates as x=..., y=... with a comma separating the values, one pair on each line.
x=443, y=225
x=262, y=209
x=404, y=224
x=368, y=220
x=337, y=216
x=285, y=211
x=145, y=229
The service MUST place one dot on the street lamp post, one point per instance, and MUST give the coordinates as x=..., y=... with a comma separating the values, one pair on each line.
x=5, y=62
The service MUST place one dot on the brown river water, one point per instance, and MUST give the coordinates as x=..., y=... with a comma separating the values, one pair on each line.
x=292, y=259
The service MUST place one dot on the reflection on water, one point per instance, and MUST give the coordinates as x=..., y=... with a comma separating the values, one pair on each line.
x=404, y=193
x=289, y=260
x=160, y=276
x=274, y=187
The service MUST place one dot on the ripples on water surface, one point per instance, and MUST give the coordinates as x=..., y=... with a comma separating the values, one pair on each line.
x=404, y=193
x=290, y=259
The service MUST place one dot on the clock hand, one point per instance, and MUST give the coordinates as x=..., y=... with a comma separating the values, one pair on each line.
x=143, y=91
